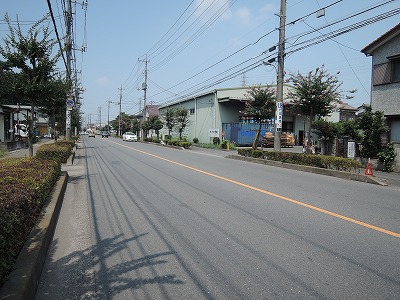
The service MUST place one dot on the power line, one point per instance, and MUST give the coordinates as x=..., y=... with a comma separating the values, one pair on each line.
x=307, y=44
x=208, y=23
x=58, y=39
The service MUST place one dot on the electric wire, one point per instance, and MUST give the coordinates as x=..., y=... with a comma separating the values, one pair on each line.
x=248, y=45
x=58, y=38
x=304, y=45
x=310, y=42
x=199, y=32
x=345, y=57
x=176, y=22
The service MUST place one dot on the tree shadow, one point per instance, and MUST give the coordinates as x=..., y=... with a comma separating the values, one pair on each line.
x=85, y=274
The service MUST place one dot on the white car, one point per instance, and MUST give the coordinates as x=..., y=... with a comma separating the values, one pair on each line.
x=129, y=137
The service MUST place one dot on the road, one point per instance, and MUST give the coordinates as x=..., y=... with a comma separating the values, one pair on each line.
x=142, y=221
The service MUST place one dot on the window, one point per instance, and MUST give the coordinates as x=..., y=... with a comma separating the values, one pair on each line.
x=395, y=131
x=387, y=72
x=396, y=70
x=192, y=111
x=381, y=74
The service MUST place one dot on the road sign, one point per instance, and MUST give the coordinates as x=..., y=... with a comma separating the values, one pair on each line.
x=70, y=104
x=279, y=113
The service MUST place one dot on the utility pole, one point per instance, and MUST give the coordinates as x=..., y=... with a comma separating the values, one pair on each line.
x=108, y=116
x=144, y=88
x=100, y=117
x=279, y=83
x=120, y=101
x=68, y=44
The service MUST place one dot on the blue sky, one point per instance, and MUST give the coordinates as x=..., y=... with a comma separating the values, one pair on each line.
x=193, y=45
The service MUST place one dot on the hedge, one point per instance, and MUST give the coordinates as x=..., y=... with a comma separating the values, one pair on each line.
x=59, y=151
x=319, y=161
x=25, y=186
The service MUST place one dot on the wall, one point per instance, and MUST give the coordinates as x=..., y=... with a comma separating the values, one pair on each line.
x=206, y=116
x=2, y=135
x=386, y=97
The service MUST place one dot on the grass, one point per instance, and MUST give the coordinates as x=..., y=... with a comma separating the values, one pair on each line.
x=212, y=146
x=3, y=153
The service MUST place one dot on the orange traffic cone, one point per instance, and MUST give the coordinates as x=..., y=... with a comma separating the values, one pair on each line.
x=368, y=169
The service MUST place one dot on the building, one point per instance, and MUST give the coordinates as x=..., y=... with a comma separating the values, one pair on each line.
x=385, y=81
x=12, y=115
x=343, y=112
x=213, y=112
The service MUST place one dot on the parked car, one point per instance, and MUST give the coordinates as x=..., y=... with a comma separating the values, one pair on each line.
x=91, y=134
x=129, y=137
x=105, y=134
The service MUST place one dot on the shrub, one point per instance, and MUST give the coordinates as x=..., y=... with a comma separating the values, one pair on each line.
x=195, y=140
x=224, y=144
x=155, y=140
x=25, y=185
x=386, y=157
x=16, y=221
x=319, y=161
x=59, y=151
x=216, y=140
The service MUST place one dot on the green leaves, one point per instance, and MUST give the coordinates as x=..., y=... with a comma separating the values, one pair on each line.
x=386, y=157
x=261, y=103
x=315, y=93
x=373, y=126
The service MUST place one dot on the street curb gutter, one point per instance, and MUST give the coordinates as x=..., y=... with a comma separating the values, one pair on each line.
x=328, y=172
x=24, y=280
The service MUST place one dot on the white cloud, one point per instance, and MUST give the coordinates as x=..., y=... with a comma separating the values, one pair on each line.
x=103, y=80
x=211, y=7
x=268, y=8
x=244, y=15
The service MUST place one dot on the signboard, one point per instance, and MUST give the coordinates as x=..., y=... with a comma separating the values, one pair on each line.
x=68, y=120
x=278, y=117
x=351, y=149
x=214, y=132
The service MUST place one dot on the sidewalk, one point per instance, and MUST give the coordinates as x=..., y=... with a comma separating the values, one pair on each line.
x=392, y=179
x=24, y=152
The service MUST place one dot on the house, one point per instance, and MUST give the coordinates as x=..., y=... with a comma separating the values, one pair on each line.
x=216, y=113
x=12, y=115
x=343, y=112
x=385, y=81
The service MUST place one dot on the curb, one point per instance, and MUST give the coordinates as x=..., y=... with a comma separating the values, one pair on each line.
x=327, y=172
x=24, y=280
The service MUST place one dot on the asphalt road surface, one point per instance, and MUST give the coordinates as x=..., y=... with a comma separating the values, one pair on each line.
x=140, y=221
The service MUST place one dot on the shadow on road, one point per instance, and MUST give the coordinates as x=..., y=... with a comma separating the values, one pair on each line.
x=85, y=274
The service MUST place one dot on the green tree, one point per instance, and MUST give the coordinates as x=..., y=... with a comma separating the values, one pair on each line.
x=348, y=129
x=260, y=105
x=55, y=105
x=156, y=124
x=147, y=126
x=8, y=80
x=135, y=126
x=126, y=122
x=326, y=131
x=373, y=126
x=31, y=57
x=314, y=95
x=182, y=120
x=169, y=119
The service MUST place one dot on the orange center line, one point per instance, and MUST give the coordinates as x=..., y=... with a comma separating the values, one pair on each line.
x=315, y=208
